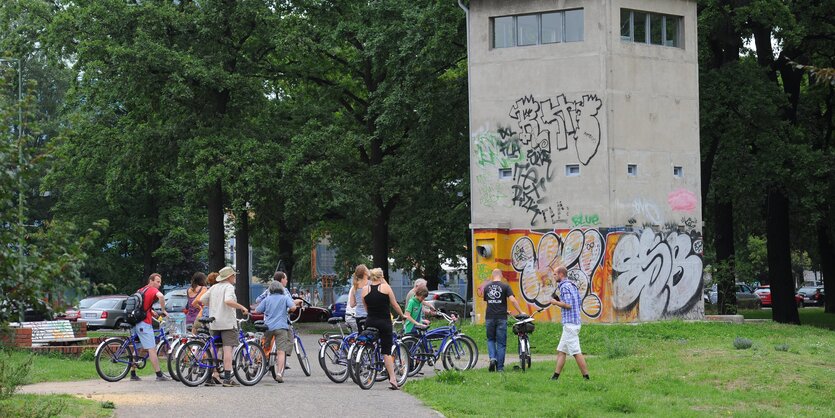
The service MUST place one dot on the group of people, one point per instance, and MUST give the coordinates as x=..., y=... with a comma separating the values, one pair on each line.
x=370, y=301
x=497, y=294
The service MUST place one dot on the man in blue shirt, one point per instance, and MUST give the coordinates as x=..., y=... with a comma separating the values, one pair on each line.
x=275, y=308
x=570, y=302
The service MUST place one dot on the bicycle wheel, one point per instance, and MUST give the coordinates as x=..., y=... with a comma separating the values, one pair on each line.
x=333, y=360
x=458, y=354
x=195, y=363
x=416, y=358
x=522, y=355
x=249, y=369
x=113, y=359
x=172, y=360
x=163, y=353
x=302, y=356
x=366, y=372
x=352, y=362
x=475, y=349
x=401, y=364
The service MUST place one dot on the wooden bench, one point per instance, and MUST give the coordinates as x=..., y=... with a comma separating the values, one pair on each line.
x=52, y=332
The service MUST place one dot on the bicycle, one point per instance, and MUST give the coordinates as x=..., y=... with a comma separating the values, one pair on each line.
x=301, y=354
x=333, y=352
x=368, y=362
x=522, y=327
x=115, y=356
x=455, y=346
x=198, y=358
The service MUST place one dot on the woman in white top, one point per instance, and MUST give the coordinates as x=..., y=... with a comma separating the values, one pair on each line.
x=355, y=297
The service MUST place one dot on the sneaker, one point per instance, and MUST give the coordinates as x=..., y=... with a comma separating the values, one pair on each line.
x=493, y=364
x=230, y=383
x=163, y=378
x=134, y=378
x=279, y=378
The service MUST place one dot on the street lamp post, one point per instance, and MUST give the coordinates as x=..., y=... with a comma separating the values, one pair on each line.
x=20, y=220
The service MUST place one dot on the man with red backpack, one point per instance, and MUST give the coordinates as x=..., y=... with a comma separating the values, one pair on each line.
x=144, y=329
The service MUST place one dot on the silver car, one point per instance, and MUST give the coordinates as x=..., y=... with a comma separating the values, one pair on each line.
x=449, y=302
x=105, y=313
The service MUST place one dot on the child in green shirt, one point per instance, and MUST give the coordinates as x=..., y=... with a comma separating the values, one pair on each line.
x=414, y=311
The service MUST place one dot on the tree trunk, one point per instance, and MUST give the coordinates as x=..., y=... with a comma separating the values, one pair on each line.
x=286, y=239
x=783, y=306
x=242, y=259
x=380, y=242
x=431, y=274
x=827, y=256
x=217, y=239
x=723, y=240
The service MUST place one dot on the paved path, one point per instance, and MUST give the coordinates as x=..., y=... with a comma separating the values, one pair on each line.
x=299, y=396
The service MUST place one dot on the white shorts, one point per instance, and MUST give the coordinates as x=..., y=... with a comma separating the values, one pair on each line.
x=570, y=340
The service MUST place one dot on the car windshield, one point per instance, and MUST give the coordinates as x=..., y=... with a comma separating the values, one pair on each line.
x=105, y=304
x=806, y=290
x=86, y=303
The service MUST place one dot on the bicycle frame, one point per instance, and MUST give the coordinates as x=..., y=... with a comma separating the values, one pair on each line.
x=130, y=341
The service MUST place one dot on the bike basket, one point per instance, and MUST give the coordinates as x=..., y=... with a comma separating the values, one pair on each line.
x=526, y=328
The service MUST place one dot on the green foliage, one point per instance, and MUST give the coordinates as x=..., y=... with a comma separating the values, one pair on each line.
x=87, y=355
x=451, y=377
x=13, y=373
x=781, y=347
x=618, y=347
x=742, y=343
x=108, y=405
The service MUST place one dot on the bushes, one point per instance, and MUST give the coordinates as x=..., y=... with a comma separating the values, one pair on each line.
x=12, y=373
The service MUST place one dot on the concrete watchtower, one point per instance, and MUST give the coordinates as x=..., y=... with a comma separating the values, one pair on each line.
x=584, y=119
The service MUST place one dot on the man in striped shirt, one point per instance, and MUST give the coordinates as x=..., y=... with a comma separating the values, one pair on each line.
x=570, y=302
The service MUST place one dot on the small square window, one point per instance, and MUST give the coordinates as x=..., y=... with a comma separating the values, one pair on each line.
x=678, y=171
x=632, y=170
x=503, y=33
x=572, y=170
x=574, y=25
x=528, y=26
x=505, y=173
x=551, y=28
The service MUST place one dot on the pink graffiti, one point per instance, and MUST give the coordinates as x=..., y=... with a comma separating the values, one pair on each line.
x=682, y=200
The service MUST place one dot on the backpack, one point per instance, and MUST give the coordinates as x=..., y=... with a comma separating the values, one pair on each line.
x=135, y=307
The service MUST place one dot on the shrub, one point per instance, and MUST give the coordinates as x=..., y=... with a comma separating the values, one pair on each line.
x=108, y=405
x=12, y=373
x=617, y=348
x=451, y=377
x=781, y=347
x=742, y=343
x=87, y=355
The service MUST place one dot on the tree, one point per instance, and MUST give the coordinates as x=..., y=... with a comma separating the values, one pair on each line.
x=387, y=81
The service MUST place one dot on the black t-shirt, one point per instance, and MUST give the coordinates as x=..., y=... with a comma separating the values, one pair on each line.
x=496, y=294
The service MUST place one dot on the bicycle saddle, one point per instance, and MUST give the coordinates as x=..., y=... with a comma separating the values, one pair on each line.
x=207, y=320
x=522, y=317
x=335, y=320
x=261, y=327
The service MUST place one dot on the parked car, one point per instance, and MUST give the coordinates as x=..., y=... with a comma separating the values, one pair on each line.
x=74, y=313
x=338, y=308
x=745, y=297
x=175, y=301
x=105, y=313
x=764, y=293
x=449, y=302
x=812, y=295
x=309, y=314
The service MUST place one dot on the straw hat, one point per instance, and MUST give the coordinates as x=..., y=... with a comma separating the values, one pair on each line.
x=225, y=273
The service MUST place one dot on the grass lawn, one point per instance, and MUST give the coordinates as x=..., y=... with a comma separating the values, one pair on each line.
x=59, y=368
x=52, y=406
x=808, y=316
x=666, y=368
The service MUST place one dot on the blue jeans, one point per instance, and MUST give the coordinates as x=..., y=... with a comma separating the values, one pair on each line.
x=497, y=340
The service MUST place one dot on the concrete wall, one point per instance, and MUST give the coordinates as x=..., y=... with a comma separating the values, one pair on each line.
x=601, y=104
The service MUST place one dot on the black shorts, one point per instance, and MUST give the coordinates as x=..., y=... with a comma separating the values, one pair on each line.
x=386, y=334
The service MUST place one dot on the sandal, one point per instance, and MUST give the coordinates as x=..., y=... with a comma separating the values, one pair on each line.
x=393, y=386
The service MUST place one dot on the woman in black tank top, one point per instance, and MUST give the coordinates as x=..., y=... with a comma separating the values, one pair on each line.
x=378, y=297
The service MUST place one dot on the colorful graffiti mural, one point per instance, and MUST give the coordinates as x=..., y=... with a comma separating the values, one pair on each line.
x=623, y=276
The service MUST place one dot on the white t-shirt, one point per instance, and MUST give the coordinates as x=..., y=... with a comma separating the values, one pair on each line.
x=224, y=314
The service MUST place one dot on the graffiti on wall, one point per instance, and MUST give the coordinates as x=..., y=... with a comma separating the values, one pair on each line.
x=682, y=200
x=660, y=272
x=622, y=276
x=525, y=143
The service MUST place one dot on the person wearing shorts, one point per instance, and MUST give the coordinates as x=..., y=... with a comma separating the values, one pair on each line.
x=145, y=329
x=570, y=302
x=275, y=307
x=221, y=300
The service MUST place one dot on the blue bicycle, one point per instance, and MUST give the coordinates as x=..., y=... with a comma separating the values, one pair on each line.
x=455, y=349
x=333, y=352
x=367, y=359
x=198, y=358
x=115, y=356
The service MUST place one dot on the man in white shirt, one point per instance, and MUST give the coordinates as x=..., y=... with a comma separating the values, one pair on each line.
x=222, y=301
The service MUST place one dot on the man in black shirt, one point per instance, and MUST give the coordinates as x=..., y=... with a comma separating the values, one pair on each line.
x=496, y=294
